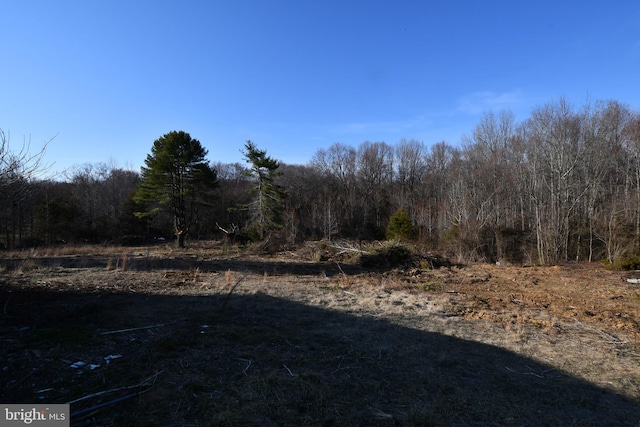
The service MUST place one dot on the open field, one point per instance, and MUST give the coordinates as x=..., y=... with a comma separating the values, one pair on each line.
x=214, y=335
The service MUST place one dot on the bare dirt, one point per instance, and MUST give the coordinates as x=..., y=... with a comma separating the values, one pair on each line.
x=217, y=335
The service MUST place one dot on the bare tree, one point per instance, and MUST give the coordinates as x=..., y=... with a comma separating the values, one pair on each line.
x=603, y=171
x=435, y=215
x=631, y=134
x=555, y=152
x=492, y=183
x=17, y=169
x=375, y=175
x=337, y=166
x=410, y=171
x=20, y=164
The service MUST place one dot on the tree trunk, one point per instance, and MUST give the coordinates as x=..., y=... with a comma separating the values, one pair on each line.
x=181, y=231
x=181, y=235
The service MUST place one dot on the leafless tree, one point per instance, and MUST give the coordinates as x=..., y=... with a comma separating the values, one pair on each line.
x=487, y=154
x=17, y=169
x=556, y=149
x=631, y=133
x=375, y=175
x=433, y=215
x=410, y=168
x=337, y=167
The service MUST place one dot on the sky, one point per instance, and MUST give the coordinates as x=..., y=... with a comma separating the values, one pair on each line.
x=102, y=79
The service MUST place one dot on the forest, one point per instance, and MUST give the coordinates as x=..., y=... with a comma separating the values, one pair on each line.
x=561, y=185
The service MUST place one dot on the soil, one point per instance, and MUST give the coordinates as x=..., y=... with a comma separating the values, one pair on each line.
x=221, y=335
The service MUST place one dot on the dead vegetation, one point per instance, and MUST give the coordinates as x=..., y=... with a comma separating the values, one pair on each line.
x=218, y=335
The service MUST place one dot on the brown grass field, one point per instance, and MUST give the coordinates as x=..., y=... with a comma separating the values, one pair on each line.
x=214, y=335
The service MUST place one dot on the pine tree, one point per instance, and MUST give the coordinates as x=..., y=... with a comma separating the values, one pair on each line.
x=267, y=203
x=400, y=226
x=177, y=178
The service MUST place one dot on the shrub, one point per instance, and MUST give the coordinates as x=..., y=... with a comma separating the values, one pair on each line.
x=430, y=287
x=390, y=255
x=627, y=263
x=400, y=226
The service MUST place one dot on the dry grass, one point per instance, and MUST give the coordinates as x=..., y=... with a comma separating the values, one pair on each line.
x=210, y=336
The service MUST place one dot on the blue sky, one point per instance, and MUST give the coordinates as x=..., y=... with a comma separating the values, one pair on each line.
x=110, y=77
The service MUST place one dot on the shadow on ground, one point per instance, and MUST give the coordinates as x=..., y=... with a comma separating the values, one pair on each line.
x=143, y=263
x=265, y=361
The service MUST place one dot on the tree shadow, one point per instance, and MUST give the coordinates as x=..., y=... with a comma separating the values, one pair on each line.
x=143, y=263
x=266, y=361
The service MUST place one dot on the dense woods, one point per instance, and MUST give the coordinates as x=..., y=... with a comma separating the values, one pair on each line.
x=564, y=184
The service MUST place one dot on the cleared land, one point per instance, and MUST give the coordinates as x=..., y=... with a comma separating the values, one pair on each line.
x=215, y=335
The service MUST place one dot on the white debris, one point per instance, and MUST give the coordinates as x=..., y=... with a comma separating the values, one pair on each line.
x=111, y=357
x=78, y=364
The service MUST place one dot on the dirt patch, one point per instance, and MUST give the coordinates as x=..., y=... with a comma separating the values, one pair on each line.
x=161, y=340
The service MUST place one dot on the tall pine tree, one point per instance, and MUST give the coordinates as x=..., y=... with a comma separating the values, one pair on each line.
x=177, y=178
x=267, y=203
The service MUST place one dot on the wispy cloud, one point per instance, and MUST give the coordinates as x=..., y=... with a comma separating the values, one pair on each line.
x=479, y=102
x=390, y=126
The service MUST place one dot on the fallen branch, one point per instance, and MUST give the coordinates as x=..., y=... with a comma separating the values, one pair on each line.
x=344, y=250
x=341, y=270
x=102, y=393
x=119, y=331
x=249, y=362
x=4, y=310
x=289, y=370
x=102, y=405
x=612, y=339
x=542, y=375
x=381, y=415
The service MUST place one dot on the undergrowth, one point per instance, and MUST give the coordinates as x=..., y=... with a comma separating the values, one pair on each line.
x=392, y=255
x=627, y=263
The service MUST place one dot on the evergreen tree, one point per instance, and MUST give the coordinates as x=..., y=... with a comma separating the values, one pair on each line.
x=267, y=203
x=177, y=178
x=400, y=226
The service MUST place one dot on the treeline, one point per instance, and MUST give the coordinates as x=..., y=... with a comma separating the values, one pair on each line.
x=562, y=185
